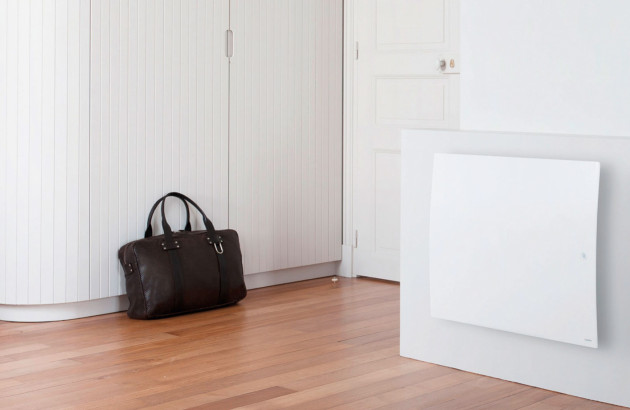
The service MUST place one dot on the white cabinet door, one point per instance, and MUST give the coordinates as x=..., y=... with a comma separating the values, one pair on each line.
x=285, y=131
x=107, y=104
x=398, y=86
x=44, y=128
x=159, y=120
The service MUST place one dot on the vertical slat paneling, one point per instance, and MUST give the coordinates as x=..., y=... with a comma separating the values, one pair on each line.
x=83, y=262
x=74, y=115
x=336, y=125
x=311, y=154
x=34, y=183
x=10, y=274
x=220, y=99
x=122, y=125
x=285, y=135
x=4, y=195
x=95, y=149
x=176, y=87
x=158, y=122
x=114, y=187
x=298, y=21
x=48, y=147
x=43, y=91
x=61, y=148
x=167, y=93
x=23, y=141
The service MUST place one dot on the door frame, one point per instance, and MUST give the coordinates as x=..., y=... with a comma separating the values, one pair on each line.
x=349, y=120
x=350, y=113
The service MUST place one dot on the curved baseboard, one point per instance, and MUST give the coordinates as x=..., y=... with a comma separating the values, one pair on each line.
x=75, y=310
x=63, y=311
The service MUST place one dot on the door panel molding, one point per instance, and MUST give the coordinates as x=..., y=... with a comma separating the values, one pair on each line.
x=406, y=12
x=399, y=98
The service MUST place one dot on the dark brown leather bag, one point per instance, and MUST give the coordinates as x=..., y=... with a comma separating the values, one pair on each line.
x=182, y=272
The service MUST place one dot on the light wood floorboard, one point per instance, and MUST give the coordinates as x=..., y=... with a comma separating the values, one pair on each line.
x=304, y=345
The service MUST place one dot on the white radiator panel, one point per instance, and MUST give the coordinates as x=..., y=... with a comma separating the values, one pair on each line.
x=159, y=120
x=600, y=374
x=285, y=133
x=513, y=245
x=44, y=127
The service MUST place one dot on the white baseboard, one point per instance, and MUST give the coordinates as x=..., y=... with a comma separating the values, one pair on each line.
x=278, y=277
x=345, y=267
x=63, y=311
x=66, y=311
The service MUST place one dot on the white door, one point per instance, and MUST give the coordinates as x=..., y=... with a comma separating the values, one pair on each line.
x=398, y=86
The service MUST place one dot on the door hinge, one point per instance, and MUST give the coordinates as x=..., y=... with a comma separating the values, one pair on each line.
x=356, y=50
x=356, y=238
x=229, y=49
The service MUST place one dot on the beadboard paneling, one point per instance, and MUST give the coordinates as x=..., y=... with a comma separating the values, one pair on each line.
x=44, y=74
x=159, y=120
x=286, y=131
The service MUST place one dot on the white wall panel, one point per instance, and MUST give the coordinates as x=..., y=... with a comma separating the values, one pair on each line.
x=44, y=68
x=599, y=374
x=285, y=132
x=553, y=66
x=159, y=92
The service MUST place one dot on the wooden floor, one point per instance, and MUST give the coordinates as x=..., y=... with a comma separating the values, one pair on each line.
x=305, y=345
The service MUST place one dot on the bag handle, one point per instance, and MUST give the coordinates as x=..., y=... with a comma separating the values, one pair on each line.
x=149, y=231
x=213, y=237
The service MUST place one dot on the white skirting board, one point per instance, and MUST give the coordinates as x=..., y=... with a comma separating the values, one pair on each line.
x=345, y=266
x=279, y=277
x=63, y=311
x=66, y=311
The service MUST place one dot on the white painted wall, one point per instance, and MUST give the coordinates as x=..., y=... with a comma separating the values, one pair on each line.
x=557, y=66
x=601, y=374
x=533, y=66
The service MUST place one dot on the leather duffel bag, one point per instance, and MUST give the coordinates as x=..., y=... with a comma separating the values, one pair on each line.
x=182, y=272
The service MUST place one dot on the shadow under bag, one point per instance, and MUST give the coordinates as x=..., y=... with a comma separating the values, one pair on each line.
x=182, y=272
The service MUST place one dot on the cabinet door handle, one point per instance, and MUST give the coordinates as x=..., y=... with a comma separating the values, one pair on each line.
x=229, y=52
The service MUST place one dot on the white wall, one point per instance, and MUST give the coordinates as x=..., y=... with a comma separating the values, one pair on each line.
x=557, y=66
x=533, y=66
x=600, y=374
